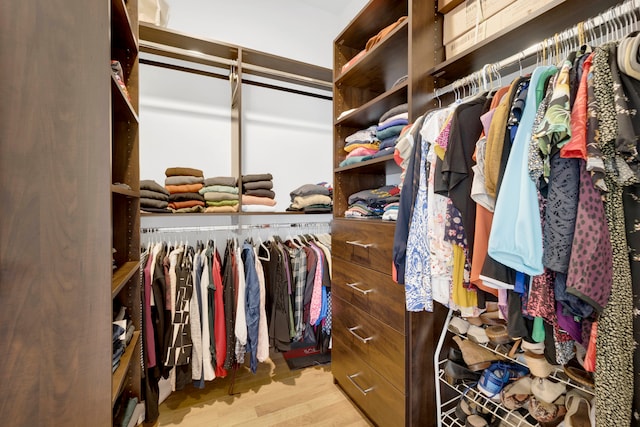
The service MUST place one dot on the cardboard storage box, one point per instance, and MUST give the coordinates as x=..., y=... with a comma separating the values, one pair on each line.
x=513, y=13
x=465, y=16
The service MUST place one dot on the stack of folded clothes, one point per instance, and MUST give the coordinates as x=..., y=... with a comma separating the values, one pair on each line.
x=183, y=185
x=391, y=123
x=257, y=193
x=391, y=212
x=360, y=145
x=371, y=203
x=312, y=198
x=220, y=194
x=154, y=198
x=122, y=332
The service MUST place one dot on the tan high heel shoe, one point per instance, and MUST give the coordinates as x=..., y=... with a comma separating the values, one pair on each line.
x=475, y=356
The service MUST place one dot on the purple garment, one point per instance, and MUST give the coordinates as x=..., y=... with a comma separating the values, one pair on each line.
x=590, y=274
x=568, y=324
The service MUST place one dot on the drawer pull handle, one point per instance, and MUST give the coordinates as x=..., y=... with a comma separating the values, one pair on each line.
x=356, y=243
x=355, y=287
x=362, y=390
x=353, y=332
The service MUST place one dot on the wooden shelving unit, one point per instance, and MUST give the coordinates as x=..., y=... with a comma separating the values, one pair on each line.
x=125, y=196
x=384, y=369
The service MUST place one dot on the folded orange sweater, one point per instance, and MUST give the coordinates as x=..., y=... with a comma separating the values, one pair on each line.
x=186, y=204
x=185, y=188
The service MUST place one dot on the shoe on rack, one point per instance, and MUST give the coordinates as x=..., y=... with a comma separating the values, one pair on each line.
x=498, y=334
x=455, y=372
x=578, y=410
x=533, y=347
x=576, y=372
x=492, y=318
x=547, y=414
x=538, y=364
x=516, y=394
x=458, y=325
x=497, y=376
x=477, y=334
x=467, y=407
x=546, y=390
x=455, y=355
x=475, y=356
x=477, y=421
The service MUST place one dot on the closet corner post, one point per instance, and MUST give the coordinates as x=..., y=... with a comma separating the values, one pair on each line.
x=235, y=79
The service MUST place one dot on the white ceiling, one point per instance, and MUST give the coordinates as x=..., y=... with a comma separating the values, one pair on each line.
x=335, y=7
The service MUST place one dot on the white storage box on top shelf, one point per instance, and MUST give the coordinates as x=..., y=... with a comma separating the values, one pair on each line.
x=513, y=13
x=467, y=15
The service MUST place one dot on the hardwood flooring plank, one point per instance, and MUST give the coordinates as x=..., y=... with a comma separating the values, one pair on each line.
x=274, y=396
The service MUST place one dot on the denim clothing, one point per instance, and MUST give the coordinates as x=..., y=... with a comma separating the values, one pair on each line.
x=252, y=304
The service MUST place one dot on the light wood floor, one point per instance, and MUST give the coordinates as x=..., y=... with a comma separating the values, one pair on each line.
x=274, y=396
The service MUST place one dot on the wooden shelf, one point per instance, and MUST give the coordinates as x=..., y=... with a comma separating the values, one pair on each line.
x=370, y=113
x=122, y=107
x=178, y=45
x=253, y=61
x=226, y=214
x=184, y=42
x=121, y=27
x=368, y=166
x=120, y=374
x=122, y=275
x=376, y=220
x=116, y=189
x=375, y=70
x=548, y=20
x=375, y=16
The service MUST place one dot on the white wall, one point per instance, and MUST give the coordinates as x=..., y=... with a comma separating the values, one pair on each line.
x=298, y=29
x=185, y=118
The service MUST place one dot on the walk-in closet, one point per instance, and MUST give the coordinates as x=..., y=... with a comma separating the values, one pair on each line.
x=320, y=212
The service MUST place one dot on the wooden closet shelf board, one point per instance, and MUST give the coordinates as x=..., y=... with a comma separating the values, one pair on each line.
x=373, y=165
x=286, y=65
x=122, y=275
x=370, y=113
x=120, y=20
x=115, y=189
x=377, y=63
x=172, y=38
x=120, y=374
x=375, y=16
x=550, y=19
x=122, y=108
x=252, y=61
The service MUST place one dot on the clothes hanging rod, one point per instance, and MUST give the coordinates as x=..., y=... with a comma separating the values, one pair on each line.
x=232, y=227
x=159, y=49
x=191, y=70
x=610, y=19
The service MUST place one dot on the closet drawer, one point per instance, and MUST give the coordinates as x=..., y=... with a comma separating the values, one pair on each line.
x=375, y=396
x=371, y=291
x=371, y=340
x=364, y=242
